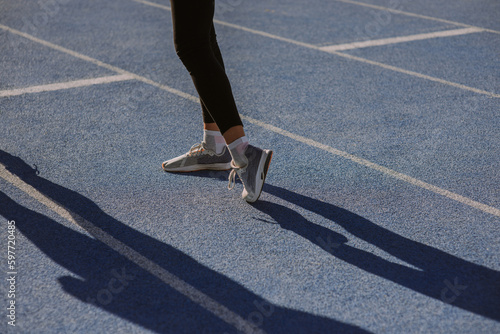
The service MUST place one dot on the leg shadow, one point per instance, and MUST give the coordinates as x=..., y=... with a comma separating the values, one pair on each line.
x=444, y=277
x=108, y=280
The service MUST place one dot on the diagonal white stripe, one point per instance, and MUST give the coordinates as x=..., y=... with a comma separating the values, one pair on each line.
x=369, y=164
x=363, y=60
x=178, y=284
x=66, y=85
x=347, y=56
x=153, y=4
x=443, y=192
x=400, y=39
x=95, y=61
x=420, y=16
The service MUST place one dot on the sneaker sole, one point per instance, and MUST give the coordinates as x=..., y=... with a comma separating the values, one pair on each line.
x=264, y=166
x=197, y=168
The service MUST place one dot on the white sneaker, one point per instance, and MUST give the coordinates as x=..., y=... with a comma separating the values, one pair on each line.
x=199, y=158
x=253, y=174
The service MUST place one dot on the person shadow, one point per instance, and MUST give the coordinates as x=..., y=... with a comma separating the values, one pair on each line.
x=105, y=277
x=440, y=275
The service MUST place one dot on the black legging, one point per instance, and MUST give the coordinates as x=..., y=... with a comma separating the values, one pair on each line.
x=196, y=46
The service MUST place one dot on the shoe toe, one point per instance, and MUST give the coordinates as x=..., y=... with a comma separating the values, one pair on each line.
x=170, y=164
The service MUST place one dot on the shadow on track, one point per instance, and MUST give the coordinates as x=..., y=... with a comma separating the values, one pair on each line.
x=466, y=285
x=110, y=281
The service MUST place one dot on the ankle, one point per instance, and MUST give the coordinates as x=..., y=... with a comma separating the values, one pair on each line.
x=214, y=141
x=237, y=149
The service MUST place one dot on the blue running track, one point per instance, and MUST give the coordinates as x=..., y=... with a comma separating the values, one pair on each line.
x=381, y=210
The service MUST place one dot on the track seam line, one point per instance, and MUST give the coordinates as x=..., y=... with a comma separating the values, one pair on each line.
x=153, y=4
x=416, y=182
x=66, y=85
x=95, y=61
x=153, y=268
x=395, y=11
x=400, y=39
x=364, y=60
x=367, y=163
x=345, y=55
x=401, y=12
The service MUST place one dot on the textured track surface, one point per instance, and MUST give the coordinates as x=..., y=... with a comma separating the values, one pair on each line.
x=380, y=212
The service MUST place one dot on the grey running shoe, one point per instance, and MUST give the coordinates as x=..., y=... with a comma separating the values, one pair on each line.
x=253, y=174
x=199, y=158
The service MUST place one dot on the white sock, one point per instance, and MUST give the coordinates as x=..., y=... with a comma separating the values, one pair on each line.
x=214, y=141
x=237, y=149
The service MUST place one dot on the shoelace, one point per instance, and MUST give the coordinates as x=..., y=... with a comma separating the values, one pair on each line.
x=198, y=149
x=232, y=175
x=232, y=179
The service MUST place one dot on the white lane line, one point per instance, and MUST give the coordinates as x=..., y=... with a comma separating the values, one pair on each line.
x=369, y=164
x=440, y=191
x=347, y=56
x=94, y=61
x=153, y=4
x=392, y=10
x=400, y=39
x=175, y=282
x=66, y=85
x=417, y=75
x=397, y=3
x=364, y=60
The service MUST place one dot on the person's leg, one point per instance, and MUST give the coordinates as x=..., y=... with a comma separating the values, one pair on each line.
x=209, y=124
x=194, y=40
x=208, y=121
x=194, y=37
x=196, y=46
